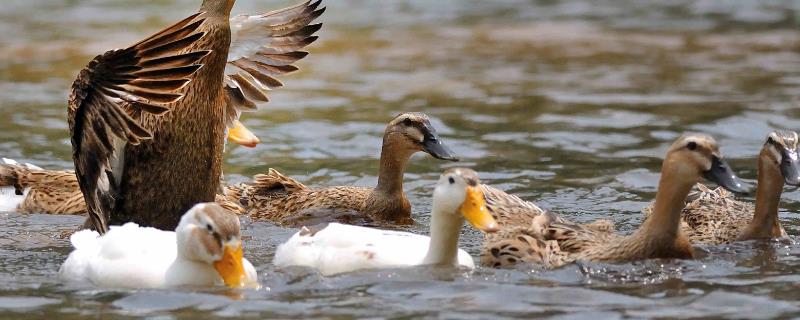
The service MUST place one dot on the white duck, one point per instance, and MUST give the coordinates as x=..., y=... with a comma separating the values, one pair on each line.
x=204, y=250
x=337, y=248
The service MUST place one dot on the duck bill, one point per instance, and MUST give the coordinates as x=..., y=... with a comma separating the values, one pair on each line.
x=474, y=210
x=721, y=174
x=239, y=134
x=436, y=148
x=231, y=267
x=790, y=168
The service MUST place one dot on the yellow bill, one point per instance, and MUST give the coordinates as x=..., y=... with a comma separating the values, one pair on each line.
x=474, y=210
x=230, y=267
x=239, y=134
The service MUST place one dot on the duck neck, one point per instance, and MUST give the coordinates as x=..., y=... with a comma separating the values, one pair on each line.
x=392, y=166
x=664, y=224
x=765, y=222
x=444, y=233
x=387, y=199
x=217, y=8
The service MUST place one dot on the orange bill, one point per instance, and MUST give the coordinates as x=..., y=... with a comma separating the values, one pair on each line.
x=474, y=210
x=231, y=267
x=239, y=134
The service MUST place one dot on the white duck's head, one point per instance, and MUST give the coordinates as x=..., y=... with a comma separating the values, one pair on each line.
x=458, y=195
x=209, y=233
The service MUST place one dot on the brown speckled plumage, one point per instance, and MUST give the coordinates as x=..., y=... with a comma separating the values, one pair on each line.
x=109, y=96
x=54, y=192
x=519, y=238
x=57, y=191
x=715, y=217
x=552, y=242
x=137, y=162
x=274, y=196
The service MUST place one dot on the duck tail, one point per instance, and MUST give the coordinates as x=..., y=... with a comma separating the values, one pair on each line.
x=275, y=181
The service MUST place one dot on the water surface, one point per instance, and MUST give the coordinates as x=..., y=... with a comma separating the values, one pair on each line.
x=570, y=104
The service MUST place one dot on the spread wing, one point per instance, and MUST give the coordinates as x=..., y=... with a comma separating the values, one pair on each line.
x=111, y=91
x=264, y=46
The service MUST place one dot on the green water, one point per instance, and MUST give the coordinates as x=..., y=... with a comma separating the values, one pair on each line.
x=570, y=104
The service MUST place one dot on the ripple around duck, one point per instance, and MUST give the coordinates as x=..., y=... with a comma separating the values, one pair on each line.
x=567, y=103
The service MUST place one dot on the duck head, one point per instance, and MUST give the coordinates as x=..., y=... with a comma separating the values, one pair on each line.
x=208, y=233
x=780, y=154
x=412, y=132
x=458, y=194
x=696, y=156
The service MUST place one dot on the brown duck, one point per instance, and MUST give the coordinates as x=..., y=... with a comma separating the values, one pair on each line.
x=714, y=217
x=42, y=191
x=147, y=142
x=273, y=196
x=54, y=191
x=552, y=241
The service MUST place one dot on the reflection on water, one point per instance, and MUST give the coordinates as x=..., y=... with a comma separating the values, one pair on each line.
x=567, y=103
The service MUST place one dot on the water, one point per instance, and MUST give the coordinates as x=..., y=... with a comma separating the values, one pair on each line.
x=567, y=103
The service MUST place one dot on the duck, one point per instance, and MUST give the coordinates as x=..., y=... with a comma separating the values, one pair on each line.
x=552, y=241
x=46, y=191
x=36, y=190
x=335, y=248
x=715, y=217
x=276, y=197
x=204, y=250
x=148, y=123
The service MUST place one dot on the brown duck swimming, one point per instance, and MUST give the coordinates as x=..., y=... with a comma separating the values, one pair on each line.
x=714, y=217
x=45, y=191
x=147, y=142
x=552, y=241
x=273, y=196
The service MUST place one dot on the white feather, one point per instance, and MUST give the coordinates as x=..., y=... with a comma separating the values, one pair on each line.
x=9, y=200
x=339, y=248
x=130, y=256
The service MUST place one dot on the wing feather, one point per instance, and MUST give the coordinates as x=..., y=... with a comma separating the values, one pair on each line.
x=264, y=46
x=115, y=85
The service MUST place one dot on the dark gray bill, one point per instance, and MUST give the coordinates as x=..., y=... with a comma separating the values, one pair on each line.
x=722, y=174
x=433, y=146
x=790, y=168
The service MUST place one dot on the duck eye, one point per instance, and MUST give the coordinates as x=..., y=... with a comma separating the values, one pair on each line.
x=208, y=227
x=691, y=145
x=407, y=121
x=451, y=180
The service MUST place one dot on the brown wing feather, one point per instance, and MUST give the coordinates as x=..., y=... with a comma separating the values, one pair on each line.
x=265, y=46
x=508, y=209
x=112, y=88
x=275, y=181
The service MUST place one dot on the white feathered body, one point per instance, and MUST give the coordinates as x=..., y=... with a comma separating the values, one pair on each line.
x=130, y=256
x=340, y=248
